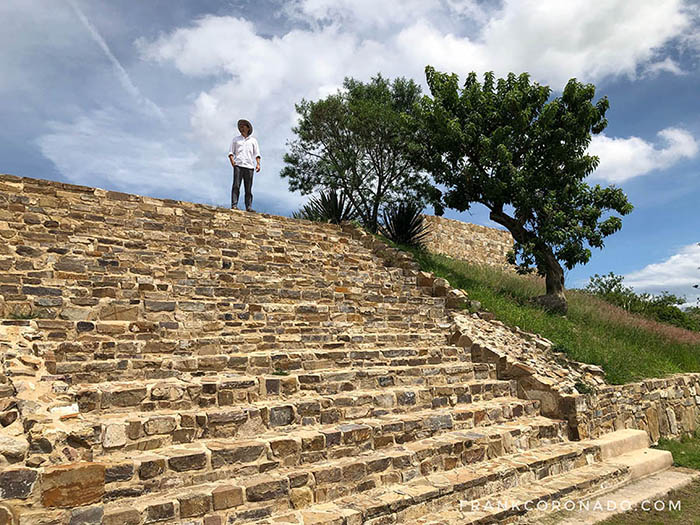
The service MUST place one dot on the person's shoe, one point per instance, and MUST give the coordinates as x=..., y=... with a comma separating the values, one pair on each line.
x=251, y=210
x=234, y=207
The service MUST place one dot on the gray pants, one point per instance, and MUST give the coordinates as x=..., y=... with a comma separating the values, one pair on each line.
x=247, y=175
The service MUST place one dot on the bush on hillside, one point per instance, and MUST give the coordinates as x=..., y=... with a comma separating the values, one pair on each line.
x=663, y=307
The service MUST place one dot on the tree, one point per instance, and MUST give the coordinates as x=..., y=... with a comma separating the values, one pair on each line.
x=358, y=141
x=504, y=144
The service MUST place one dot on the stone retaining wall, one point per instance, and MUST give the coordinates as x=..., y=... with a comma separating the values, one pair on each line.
x=469, y=242
x=665, y=408
x=577, y=392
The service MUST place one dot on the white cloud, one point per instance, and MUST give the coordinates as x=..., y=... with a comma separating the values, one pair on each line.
x=362, y=13
x=677, y=274
x=622, y=159
x=107, y=148
x=119, y=70
x=589, y=40
x=247, y=74
x=667, y=65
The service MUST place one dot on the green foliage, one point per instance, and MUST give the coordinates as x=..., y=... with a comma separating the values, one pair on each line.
x=403, y=224
x=627, y=347
x=358, y=141
x=503, y=143
x=329, y=206
x=663, y=307
x=686, y=451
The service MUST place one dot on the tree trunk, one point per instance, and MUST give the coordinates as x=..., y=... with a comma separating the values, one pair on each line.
x=554, y=300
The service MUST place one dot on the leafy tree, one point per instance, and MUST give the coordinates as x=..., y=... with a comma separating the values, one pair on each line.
x=503, y=143
x=328, y=206
x=358, y=141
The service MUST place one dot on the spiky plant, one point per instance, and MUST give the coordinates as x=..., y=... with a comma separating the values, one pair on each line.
x=403, y=224
x=328, y=206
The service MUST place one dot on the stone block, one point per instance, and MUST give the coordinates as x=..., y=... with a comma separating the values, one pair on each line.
x=114, y=436
x=125, y=516
x=194, y=505
x=87, y=516
x=226, y=497
x=17, y=483
x=160, y=512
x=72, y=485
x=185, y=462
x=266, y=488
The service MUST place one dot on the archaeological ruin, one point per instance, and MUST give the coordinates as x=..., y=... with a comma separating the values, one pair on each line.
x=170, y=362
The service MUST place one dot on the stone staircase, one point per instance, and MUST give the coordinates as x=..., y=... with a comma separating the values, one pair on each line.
x=181, y=363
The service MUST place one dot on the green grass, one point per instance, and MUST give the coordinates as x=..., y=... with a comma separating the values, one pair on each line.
x=686, y=451
x=626, y=346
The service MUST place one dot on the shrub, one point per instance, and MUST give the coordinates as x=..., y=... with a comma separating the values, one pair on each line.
x=329, y=206
x=663, y=307
x=403, y=224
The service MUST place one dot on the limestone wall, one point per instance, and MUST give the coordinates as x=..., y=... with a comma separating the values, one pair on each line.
x=469, y=242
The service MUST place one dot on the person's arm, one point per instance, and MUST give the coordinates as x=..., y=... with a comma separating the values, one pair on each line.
x=256, y=150
x=230, y=153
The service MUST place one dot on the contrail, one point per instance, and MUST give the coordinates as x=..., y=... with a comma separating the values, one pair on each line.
x=121, y=73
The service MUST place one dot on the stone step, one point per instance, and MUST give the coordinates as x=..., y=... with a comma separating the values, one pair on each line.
x=135, y=346
x=258, y=362
x=513, y=504
x=304, y=406
x=112, y=435
x=271, y=498
x=319, y=376
x=616, y=469
x=342, y=466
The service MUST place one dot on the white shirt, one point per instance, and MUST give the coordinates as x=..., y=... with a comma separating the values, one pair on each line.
x=244, y=150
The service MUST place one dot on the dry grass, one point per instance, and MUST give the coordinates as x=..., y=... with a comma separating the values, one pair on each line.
x=619, y=316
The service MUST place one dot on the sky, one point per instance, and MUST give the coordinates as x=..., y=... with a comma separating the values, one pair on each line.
x=142, y=96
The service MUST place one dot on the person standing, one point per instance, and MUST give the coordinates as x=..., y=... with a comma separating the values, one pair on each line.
x=244, y=155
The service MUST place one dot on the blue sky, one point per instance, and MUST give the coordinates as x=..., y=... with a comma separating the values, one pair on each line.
x=142, y=96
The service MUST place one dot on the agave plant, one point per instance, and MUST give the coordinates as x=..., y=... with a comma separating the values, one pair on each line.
x=404, y=224
x=329, y=206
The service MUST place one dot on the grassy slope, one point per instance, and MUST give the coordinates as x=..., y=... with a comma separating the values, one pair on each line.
x=628, y=347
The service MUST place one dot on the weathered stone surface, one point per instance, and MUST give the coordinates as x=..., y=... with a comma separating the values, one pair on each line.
x=124, y=516
x=265, y=488
x=114, y=436
x=194, y=505
x=151, y=468
x=240, y=452
x=119, y=472
x=72, y=485
x=17, y=483
x=280, y=416
x=87, y=516
x=184, y=462
x=468, y=242
x=160, y=512
x=301, y=497
x=172, y=324
x=14, y=449
x=160, y=425
x=226, y=497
